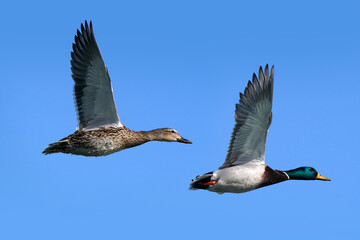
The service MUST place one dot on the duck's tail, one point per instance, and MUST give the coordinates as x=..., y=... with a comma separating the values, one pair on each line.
x=56, y=147
x=202, y=182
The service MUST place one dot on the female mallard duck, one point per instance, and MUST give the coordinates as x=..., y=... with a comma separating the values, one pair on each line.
x=244, y=168
x=100, y=131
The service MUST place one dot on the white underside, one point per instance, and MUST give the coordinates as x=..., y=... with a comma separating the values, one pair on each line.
x=238, y=179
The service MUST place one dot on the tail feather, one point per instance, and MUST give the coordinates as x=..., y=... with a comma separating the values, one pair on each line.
x=56, y=147
x=202, y=182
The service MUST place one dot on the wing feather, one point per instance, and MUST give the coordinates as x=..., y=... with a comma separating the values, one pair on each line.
x=94, y=100
x=253, y=118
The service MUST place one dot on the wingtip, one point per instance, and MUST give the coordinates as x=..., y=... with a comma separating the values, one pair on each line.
x=261, y=75
x=261, y=70
x=82, y=27
x=91, y=26
x=254, y=77
x=266, y=72
x=86, y=26
x=272, y=72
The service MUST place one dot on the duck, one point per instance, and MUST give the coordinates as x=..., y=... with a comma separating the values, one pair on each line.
x=244, y=168
x=100, y=131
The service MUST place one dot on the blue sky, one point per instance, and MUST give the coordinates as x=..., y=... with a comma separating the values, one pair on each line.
x=180, y=64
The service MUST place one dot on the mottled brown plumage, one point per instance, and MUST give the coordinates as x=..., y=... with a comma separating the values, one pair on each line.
x=105, y=141
x=100, y=131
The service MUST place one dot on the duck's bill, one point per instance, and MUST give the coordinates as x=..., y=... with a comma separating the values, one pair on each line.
x=319, y=177
x=183, y=140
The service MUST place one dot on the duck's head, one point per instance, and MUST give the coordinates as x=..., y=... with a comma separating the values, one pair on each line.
x=167, y=135
x=305, y=173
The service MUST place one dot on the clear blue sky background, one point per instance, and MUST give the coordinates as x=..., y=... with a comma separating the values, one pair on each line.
x=180, y=64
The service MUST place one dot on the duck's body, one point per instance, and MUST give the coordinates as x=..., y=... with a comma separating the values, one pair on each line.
x=244, y=168
x=239, y=179
x=100, y=131
x=99, y=142
x=105, y=141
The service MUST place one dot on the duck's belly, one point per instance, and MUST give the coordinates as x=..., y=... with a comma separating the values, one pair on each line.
x=100, y=147
x=92, y=151
x=238, y=179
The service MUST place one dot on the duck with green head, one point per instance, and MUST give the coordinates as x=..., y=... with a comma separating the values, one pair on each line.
x=244, y=168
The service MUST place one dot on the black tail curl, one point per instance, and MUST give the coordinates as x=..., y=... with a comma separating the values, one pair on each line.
x=199, y=182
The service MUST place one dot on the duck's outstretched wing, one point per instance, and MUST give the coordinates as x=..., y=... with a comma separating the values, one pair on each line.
x=94, y=98
x=253, y=118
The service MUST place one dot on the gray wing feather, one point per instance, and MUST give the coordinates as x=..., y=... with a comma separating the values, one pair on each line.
x=253, y=118
x=95, y=105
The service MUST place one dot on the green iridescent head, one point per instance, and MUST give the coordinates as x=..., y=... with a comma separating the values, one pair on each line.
x=305, y=173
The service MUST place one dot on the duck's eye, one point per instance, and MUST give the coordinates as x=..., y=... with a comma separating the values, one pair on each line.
x=172, y=131
x=312, y=170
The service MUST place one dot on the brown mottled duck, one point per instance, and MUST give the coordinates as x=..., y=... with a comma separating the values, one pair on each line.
x=100, y=131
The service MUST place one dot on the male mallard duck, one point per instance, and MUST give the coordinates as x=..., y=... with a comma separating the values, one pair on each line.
x=244, y=168
x=100, y=131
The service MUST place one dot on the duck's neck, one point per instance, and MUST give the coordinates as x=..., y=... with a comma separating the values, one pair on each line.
x=295, y=174
x=130, y=138
x=152, y=135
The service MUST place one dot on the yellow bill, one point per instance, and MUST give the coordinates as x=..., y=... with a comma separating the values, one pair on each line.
x=319, y=177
